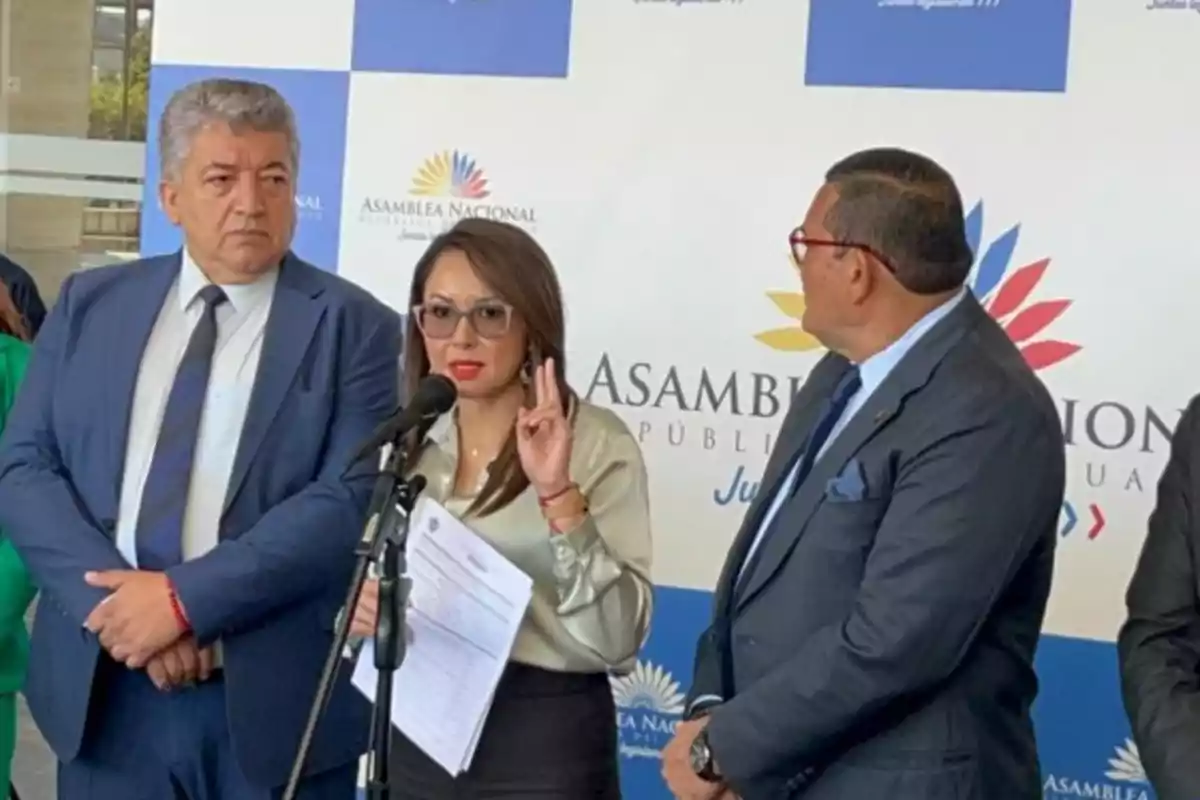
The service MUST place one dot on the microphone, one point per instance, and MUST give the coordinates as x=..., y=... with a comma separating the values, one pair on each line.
x=435, y=395
x=355, y=643
x=386, y=529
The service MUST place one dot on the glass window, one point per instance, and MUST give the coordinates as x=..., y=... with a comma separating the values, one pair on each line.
x=120, y=71
x=73, y=80
x=73, y=94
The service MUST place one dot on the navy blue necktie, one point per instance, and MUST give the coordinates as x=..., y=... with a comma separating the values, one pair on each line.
x=835, y=406
x=164, y=497
x=842, y=393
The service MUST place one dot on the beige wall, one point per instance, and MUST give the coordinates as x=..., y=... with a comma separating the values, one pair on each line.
x=47, y=48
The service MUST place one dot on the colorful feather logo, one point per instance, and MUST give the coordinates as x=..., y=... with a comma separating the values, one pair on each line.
x=450, y=174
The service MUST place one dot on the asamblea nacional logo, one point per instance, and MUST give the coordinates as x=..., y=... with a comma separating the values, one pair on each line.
x=649, y=703
x=730, y=414
x=309, y=207
x=1005, y=295
x=446, y=187
x=450, y=175
x=1126, y=765
x=1125, y=779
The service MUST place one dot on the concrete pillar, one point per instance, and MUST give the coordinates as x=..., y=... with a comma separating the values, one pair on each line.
x=48, y=60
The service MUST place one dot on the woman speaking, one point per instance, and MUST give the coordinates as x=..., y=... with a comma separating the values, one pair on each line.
x=555, y=484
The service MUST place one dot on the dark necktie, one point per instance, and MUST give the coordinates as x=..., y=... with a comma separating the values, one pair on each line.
x=835, y=406
x=842, y=393
x=164, y=497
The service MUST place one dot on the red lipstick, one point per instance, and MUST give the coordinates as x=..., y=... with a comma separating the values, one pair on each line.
x=465, y=370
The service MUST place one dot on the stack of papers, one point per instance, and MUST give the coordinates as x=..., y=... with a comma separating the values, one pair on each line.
x=467, y=602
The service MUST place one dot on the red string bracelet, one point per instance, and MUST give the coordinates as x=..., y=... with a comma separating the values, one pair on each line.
x=545, y=501
x=177, y=609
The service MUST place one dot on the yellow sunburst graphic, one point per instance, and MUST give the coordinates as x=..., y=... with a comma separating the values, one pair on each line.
x=792, y=338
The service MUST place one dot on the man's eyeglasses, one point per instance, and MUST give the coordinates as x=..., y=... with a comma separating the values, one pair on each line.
x=490, y=319
x=799, y=244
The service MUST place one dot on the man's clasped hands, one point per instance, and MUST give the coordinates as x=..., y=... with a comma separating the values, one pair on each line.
x=137, y=623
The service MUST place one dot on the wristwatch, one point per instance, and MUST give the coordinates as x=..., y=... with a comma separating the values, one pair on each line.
x=702, y=759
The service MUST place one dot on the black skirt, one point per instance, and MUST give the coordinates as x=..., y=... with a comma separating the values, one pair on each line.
x=549, y=736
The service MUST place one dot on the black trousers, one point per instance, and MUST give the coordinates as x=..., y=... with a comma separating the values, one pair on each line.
x=550, y=736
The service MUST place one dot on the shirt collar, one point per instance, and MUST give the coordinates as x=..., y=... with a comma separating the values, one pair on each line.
x=875, y=369
x=444, y=432
x=241, y=296
x=443, y=435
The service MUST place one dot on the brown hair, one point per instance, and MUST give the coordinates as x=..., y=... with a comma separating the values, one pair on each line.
x=12, y=322
x=515, y=266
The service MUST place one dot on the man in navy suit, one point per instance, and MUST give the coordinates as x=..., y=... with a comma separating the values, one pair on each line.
x=877, y=615
x=174, y=476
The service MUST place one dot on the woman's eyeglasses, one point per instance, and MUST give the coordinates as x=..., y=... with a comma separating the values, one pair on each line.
x=490, y=319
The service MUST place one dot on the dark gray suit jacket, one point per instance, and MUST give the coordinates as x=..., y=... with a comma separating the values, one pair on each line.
x=882, y=646
x=1159, y=645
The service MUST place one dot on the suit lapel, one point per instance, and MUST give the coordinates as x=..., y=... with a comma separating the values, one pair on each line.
x=296, y=311
x=792, y=435
x=136, y=301
x=909, y=376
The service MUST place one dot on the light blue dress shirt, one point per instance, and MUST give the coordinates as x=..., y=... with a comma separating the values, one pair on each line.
x=872, y=372
x=241, y=328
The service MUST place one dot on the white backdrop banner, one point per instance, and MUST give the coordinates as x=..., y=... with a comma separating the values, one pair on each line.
x=662, y=150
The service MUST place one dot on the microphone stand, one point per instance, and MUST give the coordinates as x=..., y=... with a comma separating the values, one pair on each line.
x=385, y=532
x=391, y=638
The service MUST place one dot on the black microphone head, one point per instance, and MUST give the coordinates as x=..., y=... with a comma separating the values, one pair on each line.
x=435, y=395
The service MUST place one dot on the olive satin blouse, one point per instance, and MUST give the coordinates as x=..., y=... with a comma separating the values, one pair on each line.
x=592, y=594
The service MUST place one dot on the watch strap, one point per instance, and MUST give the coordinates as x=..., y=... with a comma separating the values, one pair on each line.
x=707, y=770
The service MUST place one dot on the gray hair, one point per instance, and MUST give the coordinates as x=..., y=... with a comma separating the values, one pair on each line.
x=242, y=105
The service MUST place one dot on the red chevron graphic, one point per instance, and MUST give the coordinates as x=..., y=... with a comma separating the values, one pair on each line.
x=1099, y=521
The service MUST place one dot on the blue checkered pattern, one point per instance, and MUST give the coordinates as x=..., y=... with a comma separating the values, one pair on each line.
x=515, y=38
x=982, y=45
x=664, y=144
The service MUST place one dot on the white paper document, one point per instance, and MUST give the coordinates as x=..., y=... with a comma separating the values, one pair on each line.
x=467, y=602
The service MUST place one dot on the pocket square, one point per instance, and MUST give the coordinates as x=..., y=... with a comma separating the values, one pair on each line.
x=850, y=485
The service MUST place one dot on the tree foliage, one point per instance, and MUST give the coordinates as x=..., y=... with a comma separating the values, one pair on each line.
x=108, y=95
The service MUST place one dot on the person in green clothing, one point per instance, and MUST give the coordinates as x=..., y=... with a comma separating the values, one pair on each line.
x=16, y=590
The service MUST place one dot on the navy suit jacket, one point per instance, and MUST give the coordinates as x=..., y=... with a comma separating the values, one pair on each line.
x=272, y=587
x=882, y=646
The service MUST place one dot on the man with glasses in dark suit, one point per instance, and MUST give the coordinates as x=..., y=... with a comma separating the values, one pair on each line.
x=876, y=619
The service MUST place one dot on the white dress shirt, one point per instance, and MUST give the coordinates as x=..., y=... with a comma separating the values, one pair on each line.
x=241, y=324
